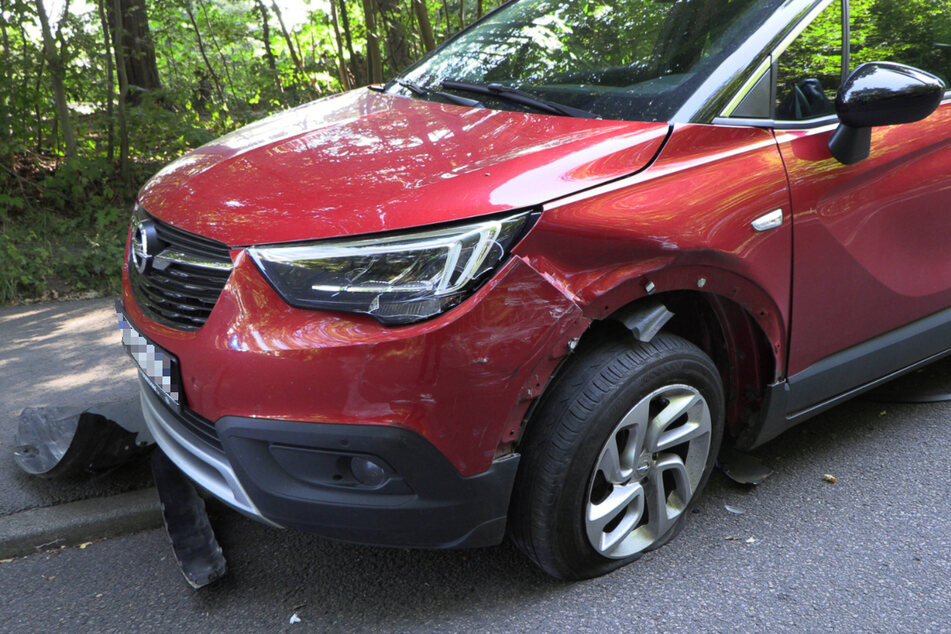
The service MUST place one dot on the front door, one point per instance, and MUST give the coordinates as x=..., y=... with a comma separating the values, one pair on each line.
x=872, y=241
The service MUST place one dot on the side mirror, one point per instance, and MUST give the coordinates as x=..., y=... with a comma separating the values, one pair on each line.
x=878, y=94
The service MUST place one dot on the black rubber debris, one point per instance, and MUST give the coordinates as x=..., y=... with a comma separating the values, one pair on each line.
x=742, y=468
x=57, y=442
x=193, y=540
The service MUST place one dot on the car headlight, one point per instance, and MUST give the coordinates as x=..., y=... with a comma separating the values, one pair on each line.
x=397, y=278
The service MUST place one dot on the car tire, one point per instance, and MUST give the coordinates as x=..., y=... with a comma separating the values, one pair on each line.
x=623, y=427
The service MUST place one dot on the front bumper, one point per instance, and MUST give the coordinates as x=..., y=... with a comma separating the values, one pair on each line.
x=463, y=380
x=276, y=400
x=296, y=475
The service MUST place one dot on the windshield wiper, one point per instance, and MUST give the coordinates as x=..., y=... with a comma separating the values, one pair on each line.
x=518, y=96
x=423, y=91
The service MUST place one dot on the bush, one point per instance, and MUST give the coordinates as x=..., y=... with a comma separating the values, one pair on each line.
x=66, y=236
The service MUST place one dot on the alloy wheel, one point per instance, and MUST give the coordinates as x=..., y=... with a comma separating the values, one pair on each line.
x=647, y=471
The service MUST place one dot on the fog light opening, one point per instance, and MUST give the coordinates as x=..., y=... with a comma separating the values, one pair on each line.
x=367, y=471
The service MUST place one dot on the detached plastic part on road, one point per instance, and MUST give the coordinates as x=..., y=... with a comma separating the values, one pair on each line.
x=56, y=442
x=69, y=442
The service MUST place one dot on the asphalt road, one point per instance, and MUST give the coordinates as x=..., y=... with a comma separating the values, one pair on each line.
x=871, y=552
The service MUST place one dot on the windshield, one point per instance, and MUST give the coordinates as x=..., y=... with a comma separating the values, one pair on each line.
x=619, y=59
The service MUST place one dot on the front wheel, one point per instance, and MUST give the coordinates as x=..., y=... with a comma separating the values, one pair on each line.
x=616, y=455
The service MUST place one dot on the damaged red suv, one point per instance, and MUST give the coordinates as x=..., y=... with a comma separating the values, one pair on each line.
x=531, y=284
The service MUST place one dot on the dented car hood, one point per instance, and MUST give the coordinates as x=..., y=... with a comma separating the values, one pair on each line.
x=364, y=162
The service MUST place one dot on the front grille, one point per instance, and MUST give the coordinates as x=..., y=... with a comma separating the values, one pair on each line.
x=203, y=429
x=186, y=422
x=184, y=275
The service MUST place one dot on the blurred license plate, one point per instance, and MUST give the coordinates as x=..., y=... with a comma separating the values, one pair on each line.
x=158, y=366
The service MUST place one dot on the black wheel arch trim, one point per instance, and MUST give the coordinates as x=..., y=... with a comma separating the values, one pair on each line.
x=848, y=373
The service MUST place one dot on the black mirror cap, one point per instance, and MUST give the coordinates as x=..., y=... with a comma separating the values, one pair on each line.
x=885, y=93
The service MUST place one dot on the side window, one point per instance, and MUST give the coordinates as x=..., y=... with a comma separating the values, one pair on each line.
x=809, y=72
x=912, y=32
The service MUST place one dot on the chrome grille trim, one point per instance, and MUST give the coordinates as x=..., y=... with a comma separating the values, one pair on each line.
x=169, y=257
x=182, y=284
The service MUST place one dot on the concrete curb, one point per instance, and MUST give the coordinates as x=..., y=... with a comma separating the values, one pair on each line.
x=27, y=532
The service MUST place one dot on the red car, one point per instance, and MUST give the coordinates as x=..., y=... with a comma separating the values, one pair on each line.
x=531, y=284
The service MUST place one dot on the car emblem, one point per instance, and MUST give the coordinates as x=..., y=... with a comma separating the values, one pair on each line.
x=146, y=244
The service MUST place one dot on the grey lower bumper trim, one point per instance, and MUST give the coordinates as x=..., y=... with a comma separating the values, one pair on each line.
x=208, y=469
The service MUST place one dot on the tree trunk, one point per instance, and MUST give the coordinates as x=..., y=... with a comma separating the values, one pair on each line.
x=374, y=59
x=425, y=26
x=136, y=48
x=5, y=114
x=214, y=41
x=300, y=50
x=462, y=14
x=445, y=10
x=287, y=38
x=57, y=72
x=204, y=56
x=266, y=38
x=117, y=40
x=3, y=31
x=397, y=43
x=40, y=68
x=27, y=50
x=345, y=19
x=479, y=9
x=344, y=75
x=110, y=83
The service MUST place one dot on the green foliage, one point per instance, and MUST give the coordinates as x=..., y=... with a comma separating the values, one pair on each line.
x=815, y=54
x=64, y=234
x=913, y=32
x=45, y=255
x=63, y=224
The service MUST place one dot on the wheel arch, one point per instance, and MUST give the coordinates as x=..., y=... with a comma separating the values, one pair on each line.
x=743, y=351
x=733, y=339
